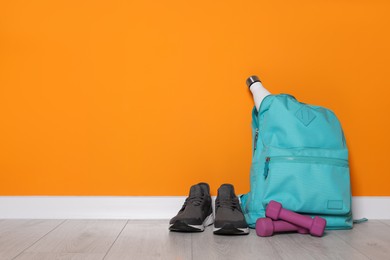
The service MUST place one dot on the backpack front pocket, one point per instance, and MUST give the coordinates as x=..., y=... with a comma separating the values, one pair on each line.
x=312, y=185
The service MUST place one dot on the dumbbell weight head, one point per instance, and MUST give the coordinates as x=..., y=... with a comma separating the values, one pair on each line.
x=264, y=227
x=273, y=210
x=318, y=226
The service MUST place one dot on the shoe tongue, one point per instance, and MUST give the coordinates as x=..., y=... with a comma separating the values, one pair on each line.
x=195, y=191
x=226, y=191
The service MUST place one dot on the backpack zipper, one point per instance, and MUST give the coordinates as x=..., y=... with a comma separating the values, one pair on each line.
x=303, y=159
x=266, y=167
x=256, y=137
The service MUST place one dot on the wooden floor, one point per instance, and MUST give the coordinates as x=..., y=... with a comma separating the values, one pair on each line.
x=150, y=239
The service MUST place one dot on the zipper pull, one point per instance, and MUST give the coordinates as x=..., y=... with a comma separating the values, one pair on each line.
x=266, y=167
x=256, y=137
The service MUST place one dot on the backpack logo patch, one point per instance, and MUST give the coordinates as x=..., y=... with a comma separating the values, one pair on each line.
x=305, y=115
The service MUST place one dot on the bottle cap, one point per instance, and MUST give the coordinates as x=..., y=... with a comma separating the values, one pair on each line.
x=251, y=80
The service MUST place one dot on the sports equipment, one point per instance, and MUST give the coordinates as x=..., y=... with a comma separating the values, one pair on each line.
x=196, y=213
x=229, y=219
x=300, y=159
x=316, y=226
x=266, y=227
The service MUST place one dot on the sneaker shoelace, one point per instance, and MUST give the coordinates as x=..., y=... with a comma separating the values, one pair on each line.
x=194, y=200
x=231, y=204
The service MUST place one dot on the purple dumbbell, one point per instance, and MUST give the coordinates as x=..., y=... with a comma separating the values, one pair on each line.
x=316, y=225
x=266, y=227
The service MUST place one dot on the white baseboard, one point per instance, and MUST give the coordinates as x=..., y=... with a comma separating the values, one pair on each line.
x=96, y=207
x=371, y=207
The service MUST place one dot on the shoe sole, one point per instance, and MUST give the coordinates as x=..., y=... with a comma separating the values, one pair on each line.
x=180, y=226
x=230, y=229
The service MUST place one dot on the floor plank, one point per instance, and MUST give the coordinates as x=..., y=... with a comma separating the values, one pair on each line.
x=281, y=246
x=60, y=256
x=17, y=235
x=385, y=221
x=76, y=239
x=371, y=238
x=150, y=239
x=206, y=245
x=330, y=246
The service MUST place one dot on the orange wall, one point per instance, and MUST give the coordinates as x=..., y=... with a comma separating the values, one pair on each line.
x=149, y=97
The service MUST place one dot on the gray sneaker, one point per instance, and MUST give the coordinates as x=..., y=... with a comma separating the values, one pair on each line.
x=196, y=213
x=229, y=219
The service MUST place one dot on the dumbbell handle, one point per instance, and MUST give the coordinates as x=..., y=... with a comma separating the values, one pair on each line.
x=295, y=218
x=284, y=226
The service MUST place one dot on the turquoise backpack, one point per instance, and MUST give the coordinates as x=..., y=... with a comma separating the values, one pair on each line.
x=300, y=159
